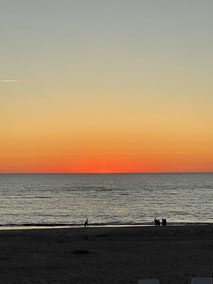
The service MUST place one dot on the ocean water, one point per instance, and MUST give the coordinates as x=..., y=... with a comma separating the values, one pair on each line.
x=105, y=199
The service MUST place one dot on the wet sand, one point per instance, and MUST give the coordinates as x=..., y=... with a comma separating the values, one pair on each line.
x=173, y=254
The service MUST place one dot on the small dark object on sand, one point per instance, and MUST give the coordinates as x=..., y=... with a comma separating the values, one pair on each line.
x=81, y=251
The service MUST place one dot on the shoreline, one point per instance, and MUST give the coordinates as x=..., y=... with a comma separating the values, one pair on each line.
x=78, y=226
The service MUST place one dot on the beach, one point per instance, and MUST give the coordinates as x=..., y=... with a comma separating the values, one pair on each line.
x=173, y=254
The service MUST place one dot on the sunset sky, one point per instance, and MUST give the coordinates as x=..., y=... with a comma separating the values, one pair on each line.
x=106, y=86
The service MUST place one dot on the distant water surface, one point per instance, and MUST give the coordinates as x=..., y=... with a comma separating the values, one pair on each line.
x=116, y=199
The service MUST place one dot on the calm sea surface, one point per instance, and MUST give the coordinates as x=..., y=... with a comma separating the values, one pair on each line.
x=104, y=198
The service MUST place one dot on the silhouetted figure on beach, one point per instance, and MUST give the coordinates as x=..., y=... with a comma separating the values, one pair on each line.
x=157, y=222
x=86, y=224
x=164, y=222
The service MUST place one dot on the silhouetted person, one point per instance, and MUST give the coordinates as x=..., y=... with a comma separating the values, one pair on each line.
x=164, y=222
x=86, y=224
x=157, y=222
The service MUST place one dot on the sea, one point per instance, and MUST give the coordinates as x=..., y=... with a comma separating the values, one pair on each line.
x=36, y=200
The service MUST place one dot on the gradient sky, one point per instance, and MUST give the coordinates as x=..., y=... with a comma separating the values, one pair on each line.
x=106, y=86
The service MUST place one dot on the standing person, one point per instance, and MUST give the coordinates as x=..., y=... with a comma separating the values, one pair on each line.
x=86, y=224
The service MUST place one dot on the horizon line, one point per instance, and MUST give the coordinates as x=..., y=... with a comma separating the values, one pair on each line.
x=188, y=172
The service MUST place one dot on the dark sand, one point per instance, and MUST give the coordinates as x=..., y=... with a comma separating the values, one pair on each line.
x=106, y=255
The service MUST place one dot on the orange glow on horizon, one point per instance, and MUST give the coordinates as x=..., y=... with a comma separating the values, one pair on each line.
x=106, y=153
x=143, y=164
